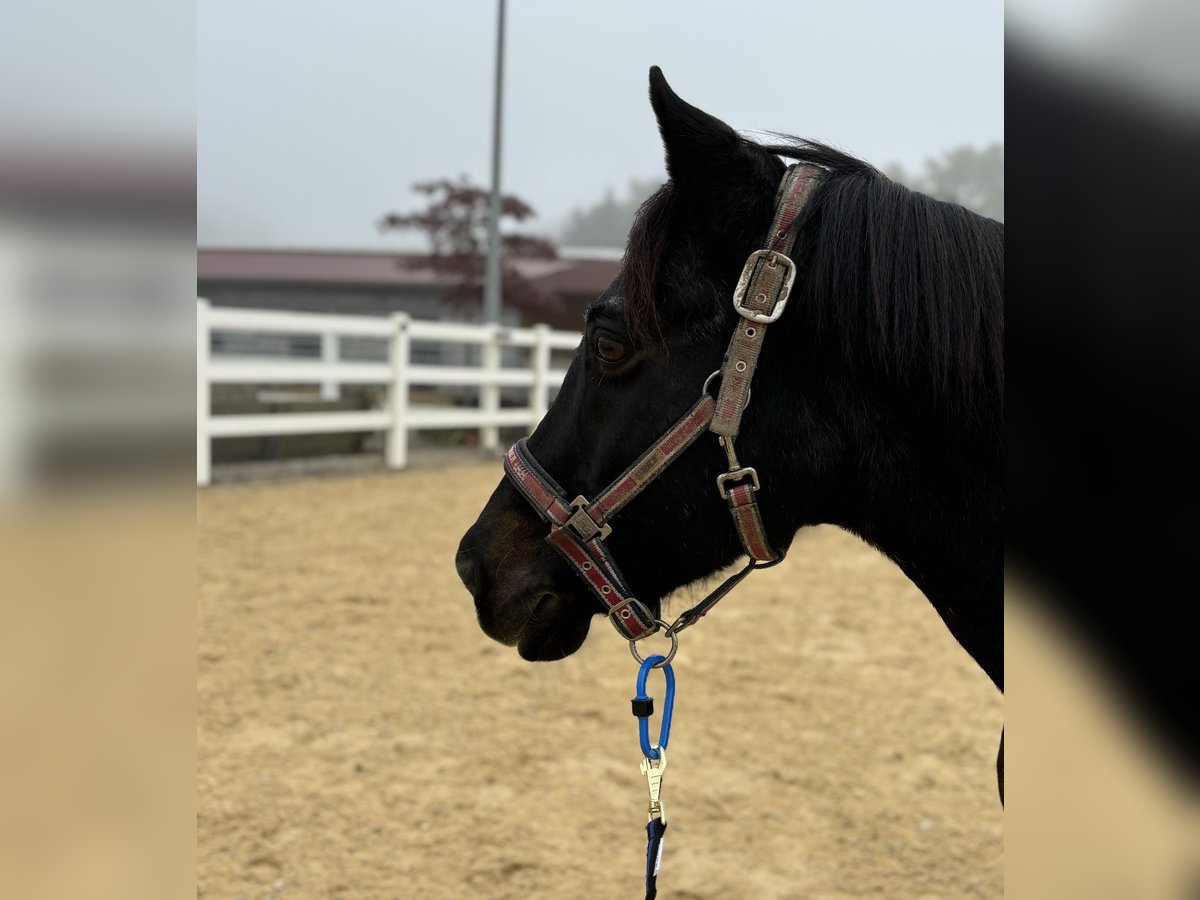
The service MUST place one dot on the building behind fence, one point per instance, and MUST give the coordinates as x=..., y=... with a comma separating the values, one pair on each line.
x=378, y=284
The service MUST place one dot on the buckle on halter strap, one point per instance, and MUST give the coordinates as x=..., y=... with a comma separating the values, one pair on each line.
x=739, y=293
x=583, y=524
x=620, y=613
x=736, y=475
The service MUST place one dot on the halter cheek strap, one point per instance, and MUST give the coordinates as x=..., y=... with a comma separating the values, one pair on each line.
x=760, y=298
x=579, y=527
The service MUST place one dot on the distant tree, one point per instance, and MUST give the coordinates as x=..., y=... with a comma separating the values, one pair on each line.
x=966, y=176
x=607, y=223
x=456, y=224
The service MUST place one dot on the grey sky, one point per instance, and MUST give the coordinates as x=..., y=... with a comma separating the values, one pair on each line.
x=314, y=117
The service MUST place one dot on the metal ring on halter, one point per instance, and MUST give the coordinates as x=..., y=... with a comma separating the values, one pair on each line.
x=708, y=381
x=666, y=659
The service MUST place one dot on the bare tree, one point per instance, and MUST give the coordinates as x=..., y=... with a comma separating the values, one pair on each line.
x=965, y=175
x=607, y=223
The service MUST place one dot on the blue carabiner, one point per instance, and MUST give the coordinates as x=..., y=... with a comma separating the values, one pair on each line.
x=643, y=705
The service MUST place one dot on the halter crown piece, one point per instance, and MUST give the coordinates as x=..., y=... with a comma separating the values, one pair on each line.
x=578, y=527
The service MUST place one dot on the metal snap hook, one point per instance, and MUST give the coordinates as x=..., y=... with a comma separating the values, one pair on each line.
x=662, y=660
x=643, y=708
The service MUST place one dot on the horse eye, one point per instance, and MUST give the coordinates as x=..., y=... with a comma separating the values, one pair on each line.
x=609, y=350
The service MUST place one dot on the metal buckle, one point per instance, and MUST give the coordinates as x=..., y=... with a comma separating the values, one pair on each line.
x=739, y=293
x=583, y=524
x=736, y=474
x=631, y=601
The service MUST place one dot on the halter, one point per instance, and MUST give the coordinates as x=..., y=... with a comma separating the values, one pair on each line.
x=578, y=528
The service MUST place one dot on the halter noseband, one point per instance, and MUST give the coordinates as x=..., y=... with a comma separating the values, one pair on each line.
x=578, y=528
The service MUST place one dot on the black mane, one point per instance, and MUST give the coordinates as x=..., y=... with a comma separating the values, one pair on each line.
x=891, y=278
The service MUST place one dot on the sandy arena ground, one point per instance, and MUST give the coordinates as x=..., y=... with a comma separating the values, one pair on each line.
x=359, y=737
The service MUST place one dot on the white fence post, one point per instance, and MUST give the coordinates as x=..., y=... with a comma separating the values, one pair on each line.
x=397, y=436
x=489, y=391
x=203, y=396
x=330, y=390
x=539, y=359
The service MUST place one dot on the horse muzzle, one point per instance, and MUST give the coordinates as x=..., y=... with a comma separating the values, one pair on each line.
x=519, y=601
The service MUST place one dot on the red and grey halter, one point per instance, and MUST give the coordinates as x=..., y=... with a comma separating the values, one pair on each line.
x=579, y=527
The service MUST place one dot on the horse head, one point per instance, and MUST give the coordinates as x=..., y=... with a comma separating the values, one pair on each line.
x=845, y=398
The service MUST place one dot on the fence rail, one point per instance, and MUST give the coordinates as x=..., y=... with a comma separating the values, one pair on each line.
x=398, y=417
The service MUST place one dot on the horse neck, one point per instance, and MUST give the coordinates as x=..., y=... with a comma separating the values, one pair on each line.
x=926, y=491
x=941, y=522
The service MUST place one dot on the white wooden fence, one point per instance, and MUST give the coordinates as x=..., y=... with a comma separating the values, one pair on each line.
x=398, y=417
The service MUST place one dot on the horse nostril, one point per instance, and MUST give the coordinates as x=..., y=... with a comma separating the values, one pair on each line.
x=466, y=569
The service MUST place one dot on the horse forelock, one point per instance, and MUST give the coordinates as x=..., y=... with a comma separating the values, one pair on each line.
x=641, y=267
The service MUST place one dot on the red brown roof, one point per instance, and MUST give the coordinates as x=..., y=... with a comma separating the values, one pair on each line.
x=563, y=276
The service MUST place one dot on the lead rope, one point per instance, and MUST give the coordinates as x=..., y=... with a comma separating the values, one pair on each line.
x=579, y=527
x=654, y=763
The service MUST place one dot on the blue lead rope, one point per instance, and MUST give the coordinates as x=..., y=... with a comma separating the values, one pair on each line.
x=643, y=708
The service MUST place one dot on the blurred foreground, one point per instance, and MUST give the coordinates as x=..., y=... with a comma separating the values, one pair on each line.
x=97, y=534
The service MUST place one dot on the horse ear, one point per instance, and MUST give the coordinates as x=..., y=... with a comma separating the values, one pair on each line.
x=716, y=168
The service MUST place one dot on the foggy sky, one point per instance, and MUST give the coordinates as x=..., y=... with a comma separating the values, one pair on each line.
x=315, y=117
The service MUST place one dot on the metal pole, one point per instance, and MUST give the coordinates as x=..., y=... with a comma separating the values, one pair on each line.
x=491, y=287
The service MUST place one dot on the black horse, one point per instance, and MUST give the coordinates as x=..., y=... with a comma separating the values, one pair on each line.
x=877, y=403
